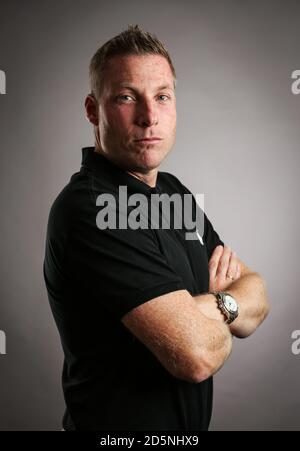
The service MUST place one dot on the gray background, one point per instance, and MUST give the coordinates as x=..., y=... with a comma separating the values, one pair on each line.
x=237, y=142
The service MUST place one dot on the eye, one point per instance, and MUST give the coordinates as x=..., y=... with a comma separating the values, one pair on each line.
x=163, y=95
x=122, y=97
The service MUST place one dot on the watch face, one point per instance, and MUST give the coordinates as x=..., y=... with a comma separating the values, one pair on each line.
x=230, y=303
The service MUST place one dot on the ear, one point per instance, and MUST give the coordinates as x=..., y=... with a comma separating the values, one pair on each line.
x=91, y=108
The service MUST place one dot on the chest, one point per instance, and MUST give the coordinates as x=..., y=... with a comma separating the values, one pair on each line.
x=188, y=258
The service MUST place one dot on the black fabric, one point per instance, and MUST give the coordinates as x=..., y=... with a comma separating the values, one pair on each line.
x=111, y=381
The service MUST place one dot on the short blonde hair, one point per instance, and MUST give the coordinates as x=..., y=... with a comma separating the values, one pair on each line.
x=132, y=41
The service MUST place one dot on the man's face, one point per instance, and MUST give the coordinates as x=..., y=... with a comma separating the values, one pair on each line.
x=137, y=101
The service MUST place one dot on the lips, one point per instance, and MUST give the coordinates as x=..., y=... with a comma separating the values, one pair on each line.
x=154, y=138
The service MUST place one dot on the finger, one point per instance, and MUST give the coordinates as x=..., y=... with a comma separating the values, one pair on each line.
x=238, y=271
x=215, y=256
x=217, y=251
x=233, y=266
x=224, y=262
x=214, y=261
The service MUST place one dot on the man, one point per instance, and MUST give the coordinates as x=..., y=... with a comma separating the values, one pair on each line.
x=142, y=315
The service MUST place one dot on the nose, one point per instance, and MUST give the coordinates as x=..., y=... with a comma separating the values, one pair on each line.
x=147, y=114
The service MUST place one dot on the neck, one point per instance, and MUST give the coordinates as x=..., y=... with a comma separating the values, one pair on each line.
x=149, y=178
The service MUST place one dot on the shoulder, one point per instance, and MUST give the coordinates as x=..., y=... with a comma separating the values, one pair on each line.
x=70, y=200
x=171, y=182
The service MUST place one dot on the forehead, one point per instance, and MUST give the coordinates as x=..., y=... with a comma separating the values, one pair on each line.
x=148, y=69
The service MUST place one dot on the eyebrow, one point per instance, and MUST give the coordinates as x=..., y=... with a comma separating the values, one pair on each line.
x=128, y=86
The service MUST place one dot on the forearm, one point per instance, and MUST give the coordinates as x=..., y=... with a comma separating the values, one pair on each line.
x=248, y=288
x=250, y=292
x=218, y=337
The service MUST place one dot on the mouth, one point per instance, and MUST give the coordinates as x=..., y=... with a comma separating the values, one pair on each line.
x=153, y=140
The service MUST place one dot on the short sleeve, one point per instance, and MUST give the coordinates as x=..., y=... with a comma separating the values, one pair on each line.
x=120, y=269
x=211, y=237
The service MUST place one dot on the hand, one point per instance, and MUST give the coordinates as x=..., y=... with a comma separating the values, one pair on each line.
x=224, y=268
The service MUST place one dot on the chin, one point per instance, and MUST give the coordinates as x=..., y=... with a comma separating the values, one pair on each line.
x=151, y=159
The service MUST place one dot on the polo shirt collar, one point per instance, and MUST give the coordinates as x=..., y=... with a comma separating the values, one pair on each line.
x=100, y=165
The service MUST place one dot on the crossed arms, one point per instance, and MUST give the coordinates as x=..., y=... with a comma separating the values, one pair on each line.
x=188, y=335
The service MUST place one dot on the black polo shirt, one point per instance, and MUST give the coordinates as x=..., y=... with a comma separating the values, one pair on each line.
x=111, y=381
